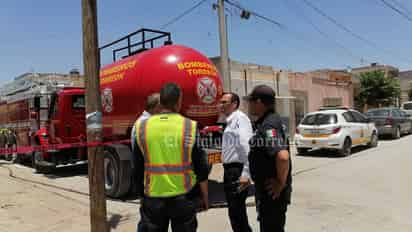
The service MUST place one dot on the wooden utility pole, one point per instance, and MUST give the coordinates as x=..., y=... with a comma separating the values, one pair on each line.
x=91, y=59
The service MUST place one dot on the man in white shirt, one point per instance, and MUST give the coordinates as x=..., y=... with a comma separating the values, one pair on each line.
x=235, y=150
x=152, y=107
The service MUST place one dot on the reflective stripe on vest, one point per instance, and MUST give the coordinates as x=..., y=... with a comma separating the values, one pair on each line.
x=166, y=141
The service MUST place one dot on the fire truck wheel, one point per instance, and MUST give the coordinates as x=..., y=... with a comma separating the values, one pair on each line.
x=39, y=165
x=117, y=174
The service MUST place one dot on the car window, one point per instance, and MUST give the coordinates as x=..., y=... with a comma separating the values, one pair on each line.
x=396, y=113
x=407, y=106
x=378, y=113
x=348, y=117
x=320, y=119
x=358, y=117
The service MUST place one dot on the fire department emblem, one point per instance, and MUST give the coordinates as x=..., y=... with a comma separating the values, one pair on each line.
x=206, y=90
x=107, y=100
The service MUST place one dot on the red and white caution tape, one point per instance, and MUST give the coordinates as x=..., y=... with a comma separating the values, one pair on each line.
x=55, y=147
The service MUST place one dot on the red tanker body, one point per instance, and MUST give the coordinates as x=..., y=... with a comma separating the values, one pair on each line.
x=126, y=84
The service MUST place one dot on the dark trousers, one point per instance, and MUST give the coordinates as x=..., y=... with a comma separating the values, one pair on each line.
x=271, y=214
x=156, y=213
x=236, y=200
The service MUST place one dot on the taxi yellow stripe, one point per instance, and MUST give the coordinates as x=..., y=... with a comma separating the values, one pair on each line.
x=316, y=135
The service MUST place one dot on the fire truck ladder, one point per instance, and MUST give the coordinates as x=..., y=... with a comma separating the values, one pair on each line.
x=147, y=37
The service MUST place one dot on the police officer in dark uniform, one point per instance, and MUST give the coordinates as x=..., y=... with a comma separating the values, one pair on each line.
x=269, y=160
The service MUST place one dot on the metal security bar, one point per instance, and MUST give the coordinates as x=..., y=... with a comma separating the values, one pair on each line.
x=146, y=39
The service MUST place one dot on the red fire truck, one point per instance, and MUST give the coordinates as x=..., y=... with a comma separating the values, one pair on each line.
x=41, y=114
x=58, y=115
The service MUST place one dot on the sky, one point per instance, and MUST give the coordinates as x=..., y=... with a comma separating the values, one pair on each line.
x=46, y=35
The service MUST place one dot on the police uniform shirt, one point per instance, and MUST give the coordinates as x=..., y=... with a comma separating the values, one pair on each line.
x=267, y=141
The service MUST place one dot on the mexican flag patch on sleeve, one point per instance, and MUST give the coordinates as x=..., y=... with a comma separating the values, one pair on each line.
x=272, y=133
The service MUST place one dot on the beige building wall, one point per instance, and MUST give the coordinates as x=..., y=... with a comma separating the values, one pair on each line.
x=405, y=81
x=245, y=76
x=321, y=88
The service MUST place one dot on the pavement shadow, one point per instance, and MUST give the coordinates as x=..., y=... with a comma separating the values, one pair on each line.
x=114, y=221
x=325, y=153
x=69, y=171
x=217, y=198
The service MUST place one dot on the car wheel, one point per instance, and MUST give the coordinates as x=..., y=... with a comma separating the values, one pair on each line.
x=374, y=140
x=302, y=151
x=346, y=148
x=397, y=133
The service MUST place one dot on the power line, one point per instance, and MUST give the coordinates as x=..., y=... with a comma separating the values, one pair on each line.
x=280, y=25
x=299, y=12
x=394, y=8
x=346, y=29
x=186, y=12
x=334, y=21
x=403, y=7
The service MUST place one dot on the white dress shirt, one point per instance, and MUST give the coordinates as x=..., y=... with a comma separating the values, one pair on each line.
x=235, y=142
x=145, y=115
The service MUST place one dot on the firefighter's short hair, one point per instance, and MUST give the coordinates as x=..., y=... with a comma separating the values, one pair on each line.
x=169, y=95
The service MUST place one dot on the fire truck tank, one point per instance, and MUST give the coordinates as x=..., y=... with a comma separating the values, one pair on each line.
x=126, y=84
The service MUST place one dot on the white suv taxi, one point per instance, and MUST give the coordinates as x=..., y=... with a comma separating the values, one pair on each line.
x=338, y=128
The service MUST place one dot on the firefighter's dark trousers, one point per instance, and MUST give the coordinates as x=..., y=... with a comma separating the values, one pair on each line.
x=156, y=213
x=236, y=200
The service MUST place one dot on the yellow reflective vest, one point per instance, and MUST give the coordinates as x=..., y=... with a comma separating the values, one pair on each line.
x=166, y=141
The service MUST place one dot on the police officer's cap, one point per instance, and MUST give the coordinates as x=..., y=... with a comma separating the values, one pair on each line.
x=262, y=92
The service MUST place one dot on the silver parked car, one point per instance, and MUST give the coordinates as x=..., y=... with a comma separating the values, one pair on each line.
x=407, y=107
x=390, y=121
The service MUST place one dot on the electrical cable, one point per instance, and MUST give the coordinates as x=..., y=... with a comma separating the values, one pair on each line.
x=279, y=25
x=394, y=8
x=346, y=29
x=180, y=16
x=402, y=6
x=299, y=12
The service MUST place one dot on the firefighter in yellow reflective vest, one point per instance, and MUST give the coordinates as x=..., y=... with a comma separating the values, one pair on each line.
x=173, y=164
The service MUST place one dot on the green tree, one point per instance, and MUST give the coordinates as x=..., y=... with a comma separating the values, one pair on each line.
x=377, y=89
